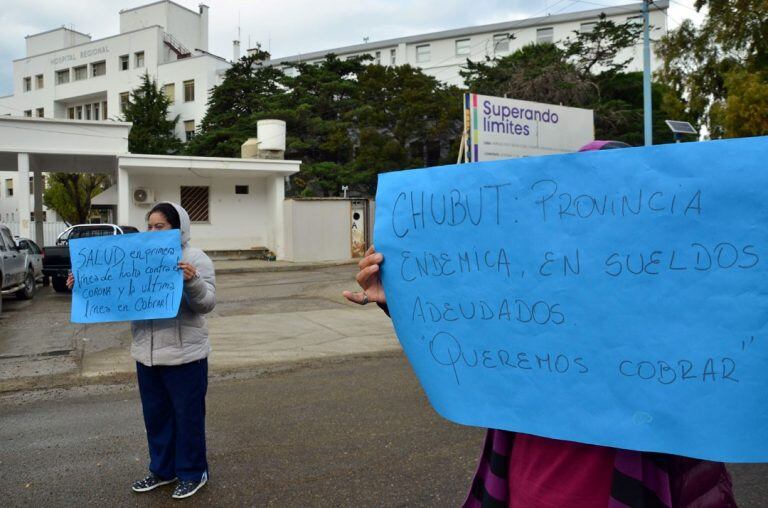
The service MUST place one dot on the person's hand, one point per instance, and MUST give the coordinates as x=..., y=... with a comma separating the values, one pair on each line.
x=369, y=280
x=70, y=281
x=189, y=270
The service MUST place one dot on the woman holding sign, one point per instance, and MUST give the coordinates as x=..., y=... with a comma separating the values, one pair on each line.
x=527, y=471
x=172, y=367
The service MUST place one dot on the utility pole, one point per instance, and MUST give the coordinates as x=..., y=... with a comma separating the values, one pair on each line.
x=647, y=105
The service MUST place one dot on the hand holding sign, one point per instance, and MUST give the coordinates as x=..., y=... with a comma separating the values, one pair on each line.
x=127, y=277
x=614, y=298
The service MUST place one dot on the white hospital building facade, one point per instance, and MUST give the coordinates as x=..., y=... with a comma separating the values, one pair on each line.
x=66, y=75
x=442, y=54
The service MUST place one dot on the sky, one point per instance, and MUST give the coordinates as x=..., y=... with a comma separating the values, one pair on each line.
x=289, y=27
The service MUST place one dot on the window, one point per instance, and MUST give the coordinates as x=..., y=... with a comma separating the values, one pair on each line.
x=392, y=56
x=104, y=110
x=9, y=187
x=500, y=43
x=27, y=112
x=378, y=58
x=96, y=111
x=189, y=129
x=71, y=113
x=189, y=90
x=195, y=201
x=138, y=59
x=170, y=92
x=422, y=53
x=587, y=27
x=241, y=189
x=40, y=112
x=27, y=84
x=39, y=81
x=98, y=68
x=81, y=72
x=544, y=35
x=463, y=47
x=125, y=97
x=62, y=77
x=32, y=183
x=78, y=112
x=123, y=63
x=87, y=111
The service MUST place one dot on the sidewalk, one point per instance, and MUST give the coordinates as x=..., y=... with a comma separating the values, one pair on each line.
x=42, y=349
x=240, y=342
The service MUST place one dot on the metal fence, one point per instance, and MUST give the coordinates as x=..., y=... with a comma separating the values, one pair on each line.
x=51, y=230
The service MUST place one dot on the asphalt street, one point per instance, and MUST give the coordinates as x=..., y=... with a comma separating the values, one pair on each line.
x=355, y=432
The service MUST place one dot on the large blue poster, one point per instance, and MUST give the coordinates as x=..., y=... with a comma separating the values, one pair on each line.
x=616, y=298
x=126, y=277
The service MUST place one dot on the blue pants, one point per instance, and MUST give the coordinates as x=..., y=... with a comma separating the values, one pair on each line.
x=173, y=399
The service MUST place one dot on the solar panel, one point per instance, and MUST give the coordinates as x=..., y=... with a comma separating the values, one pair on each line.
x=679, y=127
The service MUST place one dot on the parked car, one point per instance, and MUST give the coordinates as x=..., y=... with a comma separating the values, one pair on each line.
x=56, y=261
x=17, y=276
x=35, y=255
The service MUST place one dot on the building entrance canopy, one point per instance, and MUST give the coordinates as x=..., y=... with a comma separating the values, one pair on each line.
x=32, y=146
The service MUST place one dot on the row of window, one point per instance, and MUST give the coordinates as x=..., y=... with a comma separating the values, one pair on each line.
x=463, y=47
x=82, y=72
x=169, y=89
x=39, y=112
x=92, y=111
x=39, y=83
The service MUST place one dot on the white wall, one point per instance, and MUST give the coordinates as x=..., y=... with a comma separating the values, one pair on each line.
x=237, y=222
x=317, y=230
x=185, y=25
x=54, y=39
x=206, y=70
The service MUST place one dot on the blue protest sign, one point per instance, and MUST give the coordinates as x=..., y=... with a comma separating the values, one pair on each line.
x=616, y=297
x=126, y=277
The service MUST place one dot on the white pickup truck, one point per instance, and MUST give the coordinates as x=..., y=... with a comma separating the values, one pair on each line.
x=17, y=275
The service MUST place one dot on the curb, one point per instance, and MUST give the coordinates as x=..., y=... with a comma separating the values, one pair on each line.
x=282, y=268
x=72, y=380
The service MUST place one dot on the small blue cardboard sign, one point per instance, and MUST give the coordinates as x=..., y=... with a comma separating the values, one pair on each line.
x=126, y=277
x=616, y=297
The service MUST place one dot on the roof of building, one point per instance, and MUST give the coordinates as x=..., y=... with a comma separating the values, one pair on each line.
x=160, y=2
x=62, y=27
x=461, y=32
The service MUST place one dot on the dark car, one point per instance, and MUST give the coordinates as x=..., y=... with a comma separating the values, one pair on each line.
x=56, y=261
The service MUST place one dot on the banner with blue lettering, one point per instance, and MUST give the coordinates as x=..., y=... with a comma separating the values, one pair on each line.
x=616, y=297
x=126, y=277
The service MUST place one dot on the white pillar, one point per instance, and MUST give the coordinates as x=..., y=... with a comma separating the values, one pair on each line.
x=38, y=188
x=123, y=197
x=22, y=195
x=275, y=199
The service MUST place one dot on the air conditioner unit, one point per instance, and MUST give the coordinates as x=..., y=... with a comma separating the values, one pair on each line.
x=143, y=196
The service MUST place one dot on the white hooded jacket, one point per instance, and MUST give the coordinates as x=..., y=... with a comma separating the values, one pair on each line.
x=182, y=339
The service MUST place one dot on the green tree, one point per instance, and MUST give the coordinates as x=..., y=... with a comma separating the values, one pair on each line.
x=535, y=72
x=719, y=65
x=347, y=120
x=152, y=131
x=246, y=93
x=70, y=194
